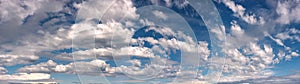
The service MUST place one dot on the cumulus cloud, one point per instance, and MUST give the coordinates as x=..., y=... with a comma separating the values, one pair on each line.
x=97, y=66
x=143, y=52
x=294, y=54
x=288, y=11
x=10, y=60
x=42, y=67
x=16, y=9
x=185, y=43
x=239, y=11
x=246, y=58
x=20, y=19
x=52, y=67
x=21, y=32
x=115, y=10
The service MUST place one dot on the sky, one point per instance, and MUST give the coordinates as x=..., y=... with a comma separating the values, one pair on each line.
x=150, y=41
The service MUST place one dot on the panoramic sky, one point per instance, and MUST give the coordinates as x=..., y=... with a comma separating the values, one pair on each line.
x=150, y=41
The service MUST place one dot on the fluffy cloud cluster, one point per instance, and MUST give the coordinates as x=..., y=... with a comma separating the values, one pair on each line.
x=52, y=67
x=22, y=76
x=20, y=27
x=246, y=57
x=96, y=30
x=18, y=9
x=239, y=11
x=115, y=10
x=10, y=60
x=25, y=76
x=288, y=11
x=189, y=49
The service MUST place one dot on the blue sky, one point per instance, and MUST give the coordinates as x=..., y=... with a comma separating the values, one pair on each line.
x=150, y=41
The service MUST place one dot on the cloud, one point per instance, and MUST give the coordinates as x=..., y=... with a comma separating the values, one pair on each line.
x=25, y=76
x=87, y=67
x=20, y=19
x=287, y=79
x=3, y=70
x=143, y=52
x=186, y=44
x=160, y=14
x=170, y=3
x=136, y=63
x=18, y=9
x=39, y=68
x=10, y=60
x=22, y=33
x=115, y=10
x=52, y=67
x=239, y=11
x=288, y=11
x=294, y=54
x=278, y=41
x=189, y=82
x=289, y=34
x=246, y=57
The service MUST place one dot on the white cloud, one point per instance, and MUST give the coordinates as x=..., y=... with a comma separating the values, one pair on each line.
x=245, y=57
x=264, y=56
x=160, y=14
x=63, y=39
x=136, y=63
x=283, y=36
x=25, y=76
x=86, y=67
x=136, y=51
x=191, y=81
x=107, y=52
x=294, y=54
x=107, y=10
x=288, y=11
x=233, y=39
x=10, y=60
x=278, y=41
x=289, y=79
x=16, y=9
x=40, y=68
x=191, y=51
x=169, y=3
x=181, y=3
x=52, y=67
x=89, y=35
x=19, y=21
x=289, y=34
x=239, y=11
x=3, y=70
x=236, y=30
x=240, y=65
